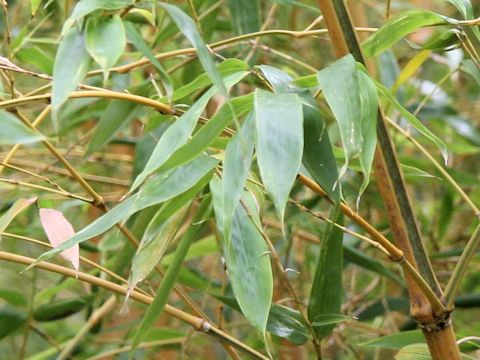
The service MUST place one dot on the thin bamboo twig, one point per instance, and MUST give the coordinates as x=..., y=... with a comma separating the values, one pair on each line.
x=197, y=323
x=461, y=267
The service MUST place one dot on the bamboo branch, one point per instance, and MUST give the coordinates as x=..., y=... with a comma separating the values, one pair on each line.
x=197, y=323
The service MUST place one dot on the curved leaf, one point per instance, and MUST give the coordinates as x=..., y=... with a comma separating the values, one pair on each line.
x=13, y=131
x=398, y=27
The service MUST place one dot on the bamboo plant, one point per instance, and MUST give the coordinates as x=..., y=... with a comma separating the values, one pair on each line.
x=279, y=176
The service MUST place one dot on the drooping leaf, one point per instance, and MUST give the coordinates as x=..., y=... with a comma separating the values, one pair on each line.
x=179, y=132
x=136, y=38
x=59, y=230
x=412, y=119
x=13, y=297
x=247, y=260
x=368, y=115
x=464, y=7
x=288, y=324
x=187, y=26
x=160, y=188
x=34, y=4
x=410, y=69
x=245, y=15
x=329, y=319
x=398, y=28
x=339, y=83
x=207, y=134
x=278, y=79
x=12, y=131
x=326, y=294
x=158, y=304
x=11, y=320
x=85, y=7
x=105, y=41
x=318, y=156
x=61, y=309
x=279, y=122
x=236, y=165
x=71, y=65
x=13, y=211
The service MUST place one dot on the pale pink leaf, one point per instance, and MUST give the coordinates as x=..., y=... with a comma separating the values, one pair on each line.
x=59, y=230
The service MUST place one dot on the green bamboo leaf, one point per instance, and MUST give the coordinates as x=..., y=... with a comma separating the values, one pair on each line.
x=279, y=122
x=61, y=309
x=339, y=83
x=13, y=297
x=464, y=7
x=368, y=115
x=236, y=165
x=13, y=211
x=171, y=275
x=245, y=15
x=414, y=352
x=318, y=156
x=412, y=119
x=189, y=29
x=326, y=293
x=288, y=324
x=71, y=66
x=236, y=108
x=329, y=319
x=153, y=247
x=14, y=132
x=246, y=257
x=137, y=40
x=179, y=132
x=86, y=7
x=105, y=41
x=11, y=320
x=398, y=28
x=278, y=79
x=159, y=188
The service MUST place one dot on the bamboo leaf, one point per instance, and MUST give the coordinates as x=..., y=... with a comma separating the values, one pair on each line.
x=11, y=320
x=13, y=211
x=318, y=156
x=34, y=5
x=326, y=293
x=236, y=165
x=85, y=7
x=279, y=122
x=166, y=286
x=12, y=131
x=339, y=83
x=136, y=38
x=398, y=28
x=278, y=79
x=71, y=66
x=247, y=261
x=105, y=41
x=179, y=132
x=329, y=319
x=189, y=29
x=288, y=324
x=396, y=341
x=160, y=188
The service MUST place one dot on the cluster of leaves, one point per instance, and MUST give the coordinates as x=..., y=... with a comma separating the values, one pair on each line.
x=195, y=151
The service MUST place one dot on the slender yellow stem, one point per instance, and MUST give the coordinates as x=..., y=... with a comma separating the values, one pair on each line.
x=197, y=323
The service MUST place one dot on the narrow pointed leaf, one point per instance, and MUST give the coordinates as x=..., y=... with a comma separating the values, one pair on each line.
x=318, y=156
x=339, y=83
x=13, y=211
x=105, y=41
x=34, y=4
x=179, y=132
x=398, y=28
x=326, y=293
x=160, y=188
x=238, y=159
x=12, y=131
x=247, y=260
x=71, y=65
x=137, y=40
x=278, y=79
x=245, y=15
x=59, y=230
x=189, y=29
x=279, y=122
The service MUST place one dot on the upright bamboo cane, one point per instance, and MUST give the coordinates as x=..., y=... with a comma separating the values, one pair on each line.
x=436, y=327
